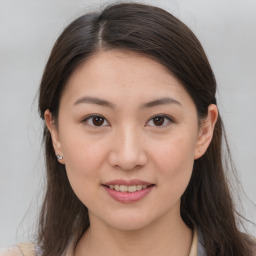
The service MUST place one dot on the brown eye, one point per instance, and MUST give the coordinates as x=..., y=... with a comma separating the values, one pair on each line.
x=96, y=121
x=158, y=121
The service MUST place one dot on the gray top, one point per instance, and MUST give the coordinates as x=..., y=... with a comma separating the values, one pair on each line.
x=200, y=247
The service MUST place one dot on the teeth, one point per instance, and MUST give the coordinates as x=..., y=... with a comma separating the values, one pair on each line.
x=123, y=188
x=130, y=189
x=139, y=187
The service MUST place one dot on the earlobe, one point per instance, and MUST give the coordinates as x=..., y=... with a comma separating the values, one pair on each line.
x=51, y=125
x=206, y=131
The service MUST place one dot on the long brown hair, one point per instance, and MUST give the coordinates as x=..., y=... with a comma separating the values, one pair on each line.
x=151, y=31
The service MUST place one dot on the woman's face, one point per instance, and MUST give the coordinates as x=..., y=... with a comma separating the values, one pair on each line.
x=128, y=132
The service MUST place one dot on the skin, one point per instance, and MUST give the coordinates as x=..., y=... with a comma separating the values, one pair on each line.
x=130, y=144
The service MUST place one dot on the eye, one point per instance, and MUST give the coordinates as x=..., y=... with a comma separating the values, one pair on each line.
x=96, y=121
x=160, y=121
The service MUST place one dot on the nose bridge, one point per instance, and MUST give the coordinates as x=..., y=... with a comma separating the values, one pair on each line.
x=128, y=151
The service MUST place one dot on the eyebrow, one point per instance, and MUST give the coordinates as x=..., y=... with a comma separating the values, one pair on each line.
x=161, y=101
x=94, y=100
x=105, y=103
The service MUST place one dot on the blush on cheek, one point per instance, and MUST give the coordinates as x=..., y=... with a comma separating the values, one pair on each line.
x=166, y=157
x=78, y=178
x=82, y=162
x=175, y=163
x=178, y=152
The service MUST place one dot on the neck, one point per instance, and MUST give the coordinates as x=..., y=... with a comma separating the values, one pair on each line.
x=164, y=237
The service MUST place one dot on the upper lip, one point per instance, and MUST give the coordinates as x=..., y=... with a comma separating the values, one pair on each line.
x=127, y=182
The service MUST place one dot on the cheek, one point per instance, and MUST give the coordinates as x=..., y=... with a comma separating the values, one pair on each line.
x=78, y=154
x=83, y=160
x=174, y=161
x=81, y=151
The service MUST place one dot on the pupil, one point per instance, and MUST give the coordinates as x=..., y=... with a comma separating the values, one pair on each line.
x=98, y=121
x=158, y=121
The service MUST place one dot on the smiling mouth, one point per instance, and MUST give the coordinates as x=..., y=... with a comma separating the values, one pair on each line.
x=129, y=189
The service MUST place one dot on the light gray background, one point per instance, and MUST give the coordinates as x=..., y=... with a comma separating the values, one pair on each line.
x=28, y=29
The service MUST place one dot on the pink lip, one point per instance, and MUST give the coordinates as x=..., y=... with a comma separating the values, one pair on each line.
x=127, y=182
x=128, y=197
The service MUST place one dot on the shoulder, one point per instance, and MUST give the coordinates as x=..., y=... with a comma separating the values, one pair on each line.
x=11, y=251
x=23, y=249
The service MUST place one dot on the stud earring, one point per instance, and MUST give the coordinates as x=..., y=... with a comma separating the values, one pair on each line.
x=59, y=157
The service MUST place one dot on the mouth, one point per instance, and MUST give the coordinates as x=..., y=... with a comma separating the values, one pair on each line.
x=129, y=189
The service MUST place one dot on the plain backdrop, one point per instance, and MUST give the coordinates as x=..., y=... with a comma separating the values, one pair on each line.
x=28, y=29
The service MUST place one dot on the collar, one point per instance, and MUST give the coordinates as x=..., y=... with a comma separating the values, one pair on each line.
x=193, y=250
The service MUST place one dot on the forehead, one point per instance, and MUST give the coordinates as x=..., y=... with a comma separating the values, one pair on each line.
x=117, y=74
x=126, y=65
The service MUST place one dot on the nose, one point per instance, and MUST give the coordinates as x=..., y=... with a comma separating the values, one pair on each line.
x=127, y=151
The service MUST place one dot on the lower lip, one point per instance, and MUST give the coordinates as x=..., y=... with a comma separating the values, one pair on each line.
x=128, y=197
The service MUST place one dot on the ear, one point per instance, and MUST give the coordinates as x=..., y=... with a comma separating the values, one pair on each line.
x=206, y=131
x=51, y=125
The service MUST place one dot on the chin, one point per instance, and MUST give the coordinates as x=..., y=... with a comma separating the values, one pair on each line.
x=129, y=225
x=129, y=222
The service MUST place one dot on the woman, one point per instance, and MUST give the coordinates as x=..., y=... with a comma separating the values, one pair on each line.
x=133, y=142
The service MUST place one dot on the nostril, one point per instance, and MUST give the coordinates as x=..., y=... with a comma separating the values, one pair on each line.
x=128, y=157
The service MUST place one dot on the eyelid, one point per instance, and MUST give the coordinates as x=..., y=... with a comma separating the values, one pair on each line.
x=90, y=116
x=169, y=118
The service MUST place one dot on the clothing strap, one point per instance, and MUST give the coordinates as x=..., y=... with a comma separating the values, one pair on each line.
x=27, y=249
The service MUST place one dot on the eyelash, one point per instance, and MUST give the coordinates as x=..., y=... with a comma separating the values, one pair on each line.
x=167, y=120
x=89, y=118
